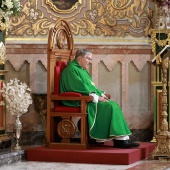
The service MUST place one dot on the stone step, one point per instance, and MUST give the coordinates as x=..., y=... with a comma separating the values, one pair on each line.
x=8, y=156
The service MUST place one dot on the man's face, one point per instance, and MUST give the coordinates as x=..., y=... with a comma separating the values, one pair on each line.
x=86, y=61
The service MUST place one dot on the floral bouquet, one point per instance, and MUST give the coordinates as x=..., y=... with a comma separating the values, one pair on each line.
x=8, y=8
x=17, y=97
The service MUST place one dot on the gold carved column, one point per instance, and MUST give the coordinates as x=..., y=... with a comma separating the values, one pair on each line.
x=159, y=38
x=163, y=136
x=161, y=116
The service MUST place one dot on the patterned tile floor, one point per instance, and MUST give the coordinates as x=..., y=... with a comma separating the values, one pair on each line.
x=142, y=165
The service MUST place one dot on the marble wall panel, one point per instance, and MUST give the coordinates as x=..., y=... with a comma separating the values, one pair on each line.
x=124, y=72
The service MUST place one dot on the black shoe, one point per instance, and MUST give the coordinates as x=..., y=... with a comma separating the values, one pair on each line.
x=93, y=142
x=125, y=144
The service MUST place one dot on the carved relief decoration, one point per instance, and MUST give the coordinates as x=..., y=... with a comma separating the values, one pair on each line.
x=61, y=6
x=157, y=40
x=66, y=129
x=95, y=17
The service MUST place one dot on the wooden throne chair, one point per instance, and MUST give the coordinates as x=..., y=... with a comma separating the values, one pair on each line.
x=61, y=128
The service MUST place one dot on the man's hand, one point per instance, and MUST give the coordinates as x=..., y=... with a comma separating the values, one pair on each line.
x=103, y=99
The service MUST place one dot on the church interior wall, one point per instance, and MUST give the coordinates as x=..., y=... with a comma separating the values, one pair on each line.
x=127, y=79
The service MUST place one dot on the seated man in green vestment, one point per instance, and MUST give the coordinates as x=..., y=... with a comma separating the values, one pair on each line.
x=105, y=118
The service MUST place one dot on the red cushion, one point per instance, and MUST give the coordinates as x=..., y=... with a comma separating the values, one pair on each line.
x=67, y=109
x=60, y=66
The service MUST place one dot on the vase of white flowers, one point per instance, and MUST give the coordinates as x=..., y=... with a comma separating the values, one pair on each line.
x=17, y=100
x=8, y=9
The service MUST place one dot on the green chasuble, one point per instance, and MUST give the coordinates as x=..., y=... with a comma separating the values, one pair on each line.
x=105, y=119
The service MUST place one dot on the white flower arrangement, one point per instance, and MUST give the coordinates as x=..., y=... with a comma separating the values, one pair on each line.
x=8, y=8
x=17, y=97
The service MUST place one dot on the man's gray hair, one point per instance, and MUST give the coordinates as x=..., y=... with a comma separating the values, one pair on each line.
x=82, y=52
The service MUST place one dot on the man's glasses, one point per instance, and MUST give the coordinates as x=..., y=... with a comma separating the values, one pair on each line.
x=89, y=59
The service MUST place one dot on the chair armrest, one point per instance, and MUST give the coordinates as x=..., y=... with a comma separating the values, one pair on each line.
x=108, y=96
x=71, y=94
x=75, y=94
x=63, y=96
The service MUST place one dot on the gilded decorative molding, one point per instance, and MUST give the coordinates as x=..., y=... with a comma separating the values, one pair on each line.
x=95, y=18
x=63, y=7
x=157, y=40
x=32, y=21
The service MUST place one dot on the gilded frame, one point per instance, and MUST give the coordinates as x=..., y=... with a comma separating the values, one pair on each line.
x=74, y=6
x=86, y=18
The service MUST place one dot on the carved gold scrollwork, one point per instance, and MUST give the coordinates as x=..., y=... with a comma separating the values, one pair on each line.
x=157, y=40
x=31, y=21
x=95, y=17
x=121, y=4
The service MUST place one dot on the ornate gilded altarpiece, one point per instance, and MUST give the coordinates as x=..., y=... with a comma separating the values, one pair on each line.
x=105, y=18
x=160, y=38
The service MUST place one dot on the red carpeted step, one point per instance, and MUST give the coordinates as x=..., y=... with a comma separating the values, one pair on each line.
x=102, y=154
